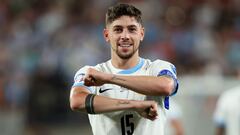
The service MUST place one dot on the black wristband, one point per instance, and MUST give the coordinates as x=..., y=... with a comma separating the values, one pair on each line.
x=89, y=104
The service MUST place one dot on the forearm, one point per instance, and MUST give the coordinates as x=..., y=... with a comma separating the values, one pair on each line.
x=83, y=101
x=147, y=85
x=101, y=104
x=104, y=104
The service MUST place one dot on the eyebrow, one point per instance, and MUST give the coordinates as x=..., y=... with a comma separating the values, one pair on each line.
x=117, y=26
x=132, y=26
x=129, y=26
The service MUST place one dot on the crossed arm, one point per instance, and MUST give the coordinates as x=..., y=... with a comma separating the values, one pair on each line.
x=147, y=85
x=147, y=109
x=142, y=84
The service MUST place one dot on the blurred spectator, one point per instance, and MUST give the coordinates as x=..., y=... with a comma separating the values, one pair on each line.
x=2, y=88
x=174, y=124
x=47, y=101
x=227, y=113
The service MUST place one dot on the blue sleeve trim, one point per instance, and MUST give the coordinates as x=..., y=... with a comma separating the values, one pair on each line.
x=175, y=86
x=82, y=85
x=166, y=102
x=166, y=72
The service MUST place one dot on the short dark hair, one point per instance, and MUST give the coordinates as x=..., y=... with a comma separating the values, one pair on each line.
x=119, y=10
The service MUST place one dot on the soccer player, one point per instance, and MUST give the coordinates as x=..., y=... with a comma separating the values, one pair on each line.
x=128, y=94
x=227, y=113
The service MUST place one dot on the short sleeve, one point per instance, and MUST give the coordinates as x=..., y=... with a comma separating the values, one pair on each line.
x=79, y=79
x=163, y=68
x=219, y=114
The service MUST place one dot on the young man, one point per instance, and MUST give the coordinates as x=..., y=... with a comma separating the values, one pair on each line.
x=128, y=94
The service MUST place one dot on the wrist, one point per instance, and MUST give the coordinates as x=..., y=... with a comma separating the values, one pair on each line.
x=134, y=105
x=110, y=78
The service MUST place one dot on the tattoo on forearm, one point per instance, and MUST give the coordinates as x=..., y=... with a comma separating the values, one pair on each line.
x=117, y=78
x=123, y=102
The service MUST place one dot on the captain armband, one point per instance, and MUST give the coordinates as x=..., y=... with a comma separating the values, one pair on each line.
x=89, y=103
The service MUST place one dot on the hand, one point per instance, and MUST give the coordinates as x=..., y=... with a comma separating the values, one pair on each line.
x=94, y=77
x=147, y=109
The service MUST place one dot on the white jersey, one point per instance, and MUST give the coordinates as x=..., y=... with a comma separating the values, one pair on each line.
x=129, y=122
x=227, y=113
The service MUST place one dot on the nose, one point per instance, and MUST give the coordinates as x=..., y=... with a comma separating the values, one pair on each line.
x=125, y=35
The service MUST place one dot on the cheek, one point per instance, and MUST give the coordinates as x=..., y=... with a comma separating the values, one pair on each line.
x=111, y=36
x=137, y=39
x=113, y=39
x=137, y=43
x=113, y=44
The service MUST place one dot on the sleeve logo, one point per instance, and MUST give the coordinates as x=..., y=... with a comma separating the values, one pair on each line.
x=79, y=77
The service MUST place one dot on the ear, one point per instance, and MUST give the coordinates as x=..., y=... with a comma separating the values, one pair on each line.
x=142, y=33
x=106, y=34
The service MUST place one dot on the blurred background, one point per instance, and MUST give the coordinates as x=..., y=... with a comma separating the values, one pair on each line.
x=44, y=42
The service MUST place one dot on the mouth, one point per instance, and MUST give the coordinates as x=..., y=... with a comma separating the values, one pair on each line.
x=125, y=45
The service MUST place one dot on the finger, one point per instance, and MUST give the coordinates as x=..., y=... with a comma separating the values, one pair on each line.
x=88, y=82
x=88, y=78
x=145, y=114
x=92, y=79
x=153, y=112
x=154, y=108
x=152, y=118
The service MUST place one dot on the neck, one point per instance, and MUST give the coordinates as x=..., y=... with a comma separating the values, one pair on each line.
x=120, y=63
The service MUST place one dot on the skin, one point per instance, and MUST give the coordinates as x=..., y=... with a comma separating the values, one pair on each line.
x=177, y=125
x=124, y=36
x=124, y=31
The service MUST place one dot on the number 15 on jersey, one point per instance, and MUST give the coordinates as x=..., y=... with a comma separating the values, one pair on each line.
x=127, y=125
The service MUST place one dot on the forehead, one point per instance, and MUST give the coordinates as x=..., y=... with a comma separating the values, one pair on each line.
x=125, y=21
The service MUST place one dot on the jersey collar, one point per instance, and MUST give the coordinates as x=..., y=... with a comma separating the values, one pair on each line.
x=134, y=69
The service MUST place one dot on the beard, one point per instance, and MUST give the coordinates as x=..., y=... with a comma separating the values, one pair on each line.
x=125, y=55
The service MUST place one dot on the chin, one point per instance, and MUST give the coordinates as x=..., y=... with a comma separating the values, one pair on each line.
x=125, y=56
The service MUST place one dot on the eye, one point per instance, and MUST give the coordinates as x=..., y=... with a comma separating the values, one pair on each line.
x=132, y=29
x=118, y=30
